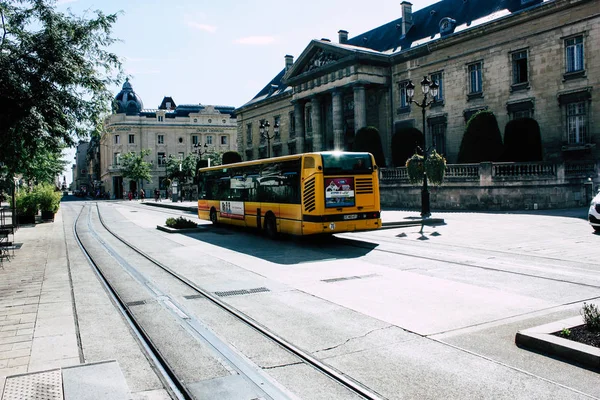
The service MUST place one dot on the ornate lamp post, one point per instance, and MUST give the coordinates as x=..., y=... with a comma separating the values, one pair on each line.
x=199, y=153
x=264, y=132
x=431, y=89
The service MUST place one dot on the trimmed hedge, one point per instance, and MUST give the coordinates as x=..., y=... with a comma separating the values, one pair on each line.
x=405, y=143
x=230, y=157
x=482, y=140
x=522, y=141
x=367, y=139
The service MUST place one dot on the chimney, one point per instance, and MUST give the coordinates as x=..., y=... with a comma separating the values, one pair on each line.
x=289, y=61
x=343, y=35
x=407, y=19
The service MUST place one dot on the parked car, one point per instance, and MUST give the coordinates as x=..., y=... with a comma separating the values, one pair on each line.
x=594, y=213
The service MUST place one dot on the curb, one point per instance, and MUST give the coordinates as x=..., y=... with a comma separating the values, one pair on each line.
x=173, y=207
x=541, y=338
x=413, y=222
x=173, y=230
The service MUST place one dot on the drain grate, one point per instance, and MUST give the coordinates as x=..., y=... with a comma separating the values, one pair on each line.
x=43, y=386
x=241, y=292
x=136, y=303
x=348, y=278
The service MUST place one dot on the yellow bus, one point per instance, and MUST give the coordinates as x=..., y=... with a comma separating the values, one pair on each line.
x=301, y=194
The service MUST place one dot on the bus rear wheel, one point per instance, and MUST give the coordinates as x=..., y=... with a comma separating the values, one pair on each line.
x=271, y=227
x=213, y=217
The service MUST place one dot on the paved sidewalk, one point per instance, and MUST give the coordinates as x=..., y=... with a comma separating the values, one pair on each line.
x=37, y=325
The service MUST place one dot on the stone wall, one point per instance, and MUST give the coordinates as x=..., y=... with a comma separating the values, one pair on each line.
x=497, y=186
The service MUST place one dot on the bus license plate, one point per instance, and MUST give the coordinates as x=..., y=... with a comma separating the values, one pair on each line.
x=351, y=216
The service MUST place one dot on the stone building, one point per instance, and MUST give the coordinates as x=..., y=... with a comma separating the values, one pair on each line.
x=517, y=58
x=80, y=168
x=169, y=130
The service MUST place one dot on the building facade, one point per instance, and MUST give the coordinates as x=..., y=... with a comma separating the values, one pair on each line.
x=170, y=130
x=517, y=58
x=80, y=170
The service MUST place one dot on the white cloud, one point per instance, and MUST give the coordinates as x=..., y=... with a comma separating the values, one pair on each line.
x=256, y=40
x=202, y=27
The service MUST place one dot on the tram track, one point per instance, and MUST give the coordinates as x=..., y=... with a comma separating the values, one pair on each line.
x=442, y=342
x=178, y=388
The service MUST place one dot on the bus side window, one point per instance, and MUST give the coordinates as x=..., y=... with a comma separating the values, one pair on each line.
x=309, y=162
x=202, y=188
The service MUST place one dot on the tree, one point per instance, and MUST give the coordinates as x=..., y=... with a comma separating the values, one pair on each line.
x=55, y=78
x=135, y=168
x=522, y=141
x=482, y=140
x=367, y=139
x=405, y=143
x=44, y=166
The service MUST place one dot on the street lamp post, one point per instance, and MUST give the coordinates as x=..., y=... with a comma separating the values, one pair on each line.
x=199, y=153
x=264, y=132
x=431, y=89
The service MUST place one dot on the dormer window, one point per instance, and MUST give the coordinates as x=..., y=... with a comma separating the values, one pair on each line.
x=447, y=26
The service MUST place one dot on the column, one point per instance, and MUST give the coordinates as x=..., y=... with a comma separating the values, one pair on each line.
x=299, y=118
x=317, y=135
x=338, y=120
x=360, y=108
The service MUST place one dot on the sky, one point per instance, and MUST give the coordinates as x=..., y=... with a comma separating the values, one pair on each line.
x=222, y=52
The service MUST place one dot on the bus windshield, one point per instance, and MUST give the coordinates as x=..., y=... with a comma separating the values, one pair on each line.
x=347, y=163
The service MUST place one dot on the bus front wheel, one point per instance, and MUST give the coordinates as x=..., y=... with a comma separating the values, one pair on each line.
x=271, y=226
x=213, y=217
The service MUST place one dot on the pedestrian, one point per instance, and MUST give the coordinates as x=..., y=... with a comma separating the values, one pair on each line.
x=130, y=195
x=142, y=195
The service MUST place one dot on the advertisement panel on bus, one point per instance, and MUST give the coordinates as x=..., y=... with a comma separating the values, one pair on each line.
x=339, y=192
x=232, y=209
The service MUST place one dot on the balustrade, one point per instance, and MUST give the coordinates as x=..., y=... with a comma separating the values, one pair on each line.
x=462, y=171
x=523, y=170
x=581, y=169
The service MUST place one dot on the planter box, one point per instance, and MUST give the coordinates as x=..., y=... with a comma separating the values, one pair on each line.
x=48, y=216
x=25, y=219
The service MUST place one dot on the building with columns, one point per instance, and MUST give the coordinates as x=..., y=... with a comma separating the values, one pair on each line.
x=169, y=130
x=517, y=58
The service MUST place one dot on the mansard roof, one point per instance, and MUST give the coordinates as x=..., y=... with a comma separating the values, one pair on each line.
x=184, y=110
x=426, y=22
x=387, y=39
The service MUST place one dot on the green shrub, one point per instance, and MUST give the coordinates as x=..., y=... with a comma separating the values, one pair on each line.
x=180, y=223
x=368, y=140
x=482, y=140
x=405, y=143
x=48, y=198
x=591, y=316
x=522, y=141
x=26, y=203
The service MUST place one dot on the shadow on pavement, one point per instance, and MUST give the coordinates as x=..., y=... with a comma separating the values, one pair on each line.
x=286, y=250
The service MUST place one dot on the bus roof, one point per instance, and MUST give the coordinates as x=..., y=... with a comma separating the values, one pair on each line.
x=276, y=159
